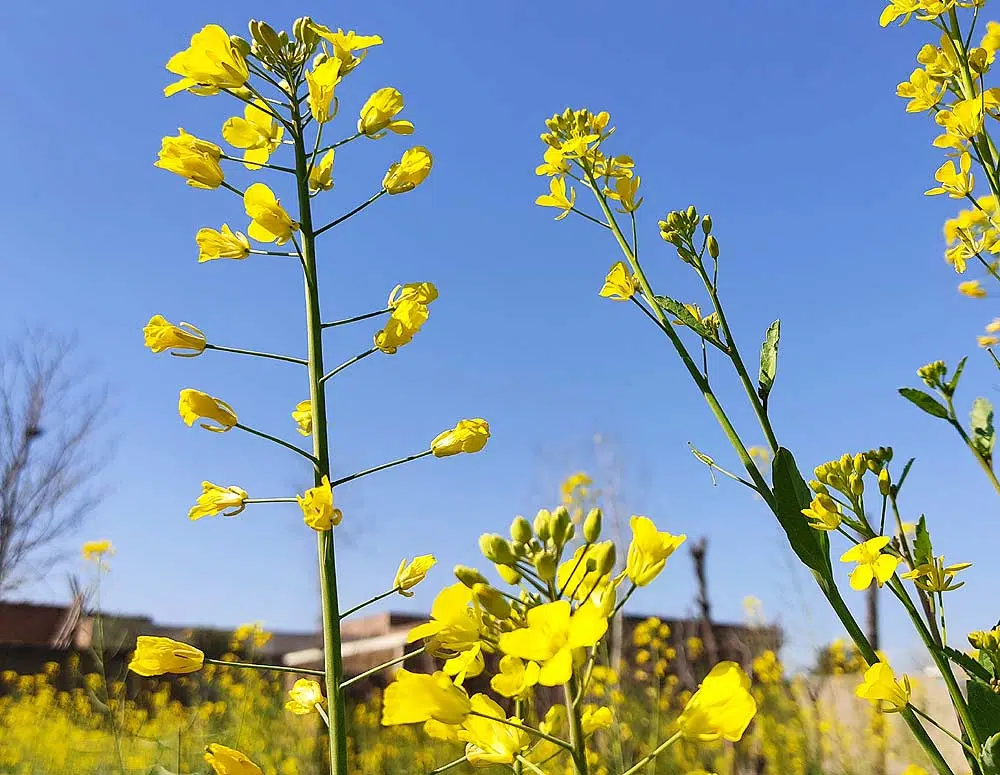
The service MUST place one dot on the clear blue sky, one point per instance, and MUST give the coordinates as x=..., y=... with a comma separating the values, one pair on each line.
x=779, y=119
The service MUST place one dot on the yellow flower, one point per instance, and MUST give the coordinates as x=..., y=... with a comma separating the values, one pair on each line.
x=649, y=550
x=409, y=172
x=973, y=289
x=516, y=677
x=321, y=175
x=455, y=625
x=491, y=742
x=407, y=317
x=317, y=507
x=379, y=112
x=194, y=405
x=467, y=664
x=212, y=62
x=957, y=184
x=157, y=656
x=881, y=688
x=554, y=163
x=923, y=92
x=587, y=570
x=872, y=564
x=228, y=761
x=304, y=696
x=321, y=81
x=624, y=192
x=195, y=160
x=897, y=8
x=161, y=335
x=552, y=632
x=935, y=576
x=721, y=708
x=913, y=769
x=258, y=133
x=345, y=44
x=410, y=574
x=619, y=285
x=558, y=198
x=823, y=513
x=226, y=243
x=215, y=500
x=594, y=719
x=423, y=293
x=467, y=436
x=94, y=550
x=987, y=341
x=414, y=697
x=269, y=220
x=303, y=416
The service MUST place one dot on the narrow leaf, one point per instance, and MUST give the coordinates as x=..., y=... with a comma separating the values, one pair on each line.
x=925, y=401
x=902, y=477
x=922, y=551
x=791, y=495
x=968, y=664
x=683, y=314
x=983, y=437
x=952, y=384
x=768, y=360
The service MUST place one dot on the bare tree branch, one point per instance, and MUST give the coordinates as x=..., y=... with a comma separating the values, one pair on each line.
x=51, y=413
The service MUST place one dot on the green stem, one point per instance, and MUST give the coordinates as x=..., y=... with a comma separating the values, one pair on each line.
x=371, y=600
x=523, y=728
x=953, y=421
x=345, y=364
x=339, y=143
x=257, y=354
x=521, y=763
x=590, y=218
x=957, y=739
x=572, y=573
x=578, y=744
x=356, y=318
x=333, y=662
x=276, y=440
x=382, y=467
x=653, y=754
x=355, y=211
x=257, y=164
x=383, y=666
x=269, y=500
x=254, y=666
x=448, y=766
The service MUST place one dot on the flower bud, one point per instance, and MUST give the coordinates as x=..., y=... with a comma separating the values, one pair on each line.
x=264, y=36
x=520, y=530
x=542, y=524
x=304, y=33
x=713, y=246
x=470, y=576
x=491, y=600
x=706, y=224
x=691, y=214
x=508, y=574
x=857, y=484
x=884, y=483
x=560, y=526
x=608, y=558
x=545, y=566
x=570, y=533
x=592, y=526
x=496, y=549
x=241, y=44
x=818, y=487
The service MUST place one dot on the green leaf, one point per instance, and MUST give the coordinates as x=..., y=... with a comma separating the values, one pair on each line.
x=902, y=477
x=684, y=315
x=925, y=401
x=983, y=437
x=990, y=758
x=951, y=385
x=984, y=707
x=987, y=662
x=768, y=360
x=791, y=495
x=968, y=664
x=922, y=551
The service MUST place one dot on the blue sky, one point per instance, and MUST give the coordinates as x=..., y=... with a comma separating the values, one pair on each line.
x=793, y=140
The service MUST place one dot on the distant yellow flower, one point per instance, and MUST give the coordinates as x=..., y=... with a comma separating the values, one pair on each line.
x=409, y=172
x=410, y=574
x=157, y=656
x=619, y=285
x=467, y=436
x=195, y=160
x=491, y=742
x=881, y=688
x=317, y=507
x=913, y=769
x=413, y=698
x=558, y=198
x=763, y=454
x=422, y=293
x=957, y=183
x=378, y=114
x=455, y=625
x=973, y=289
x=988, y=341
x=215, y=500
x=161, y=335
x=194, y=405
x=407, y=318
x=649, y=550
x=226, y=243
x=823, y=513
x=594, y=719
x=321, y=81
x=94, y=550
x=228, y=761
x=872, y=564
x=303, y=416
x=212, y=62
x=935, y=576
x=321, y=175
x=258, y=133
x=552, y=632
x=722, y=708
x=304, y=696
x=270, y=222
x=345, y=44
x=515, y=678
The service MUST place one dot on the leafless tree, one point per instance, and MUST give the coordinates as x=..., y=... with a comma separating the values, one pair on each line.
x=51, y=453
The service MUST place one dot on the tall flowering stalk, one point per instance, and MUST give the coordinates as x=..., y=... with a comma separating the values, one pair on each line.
x=288, y=86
